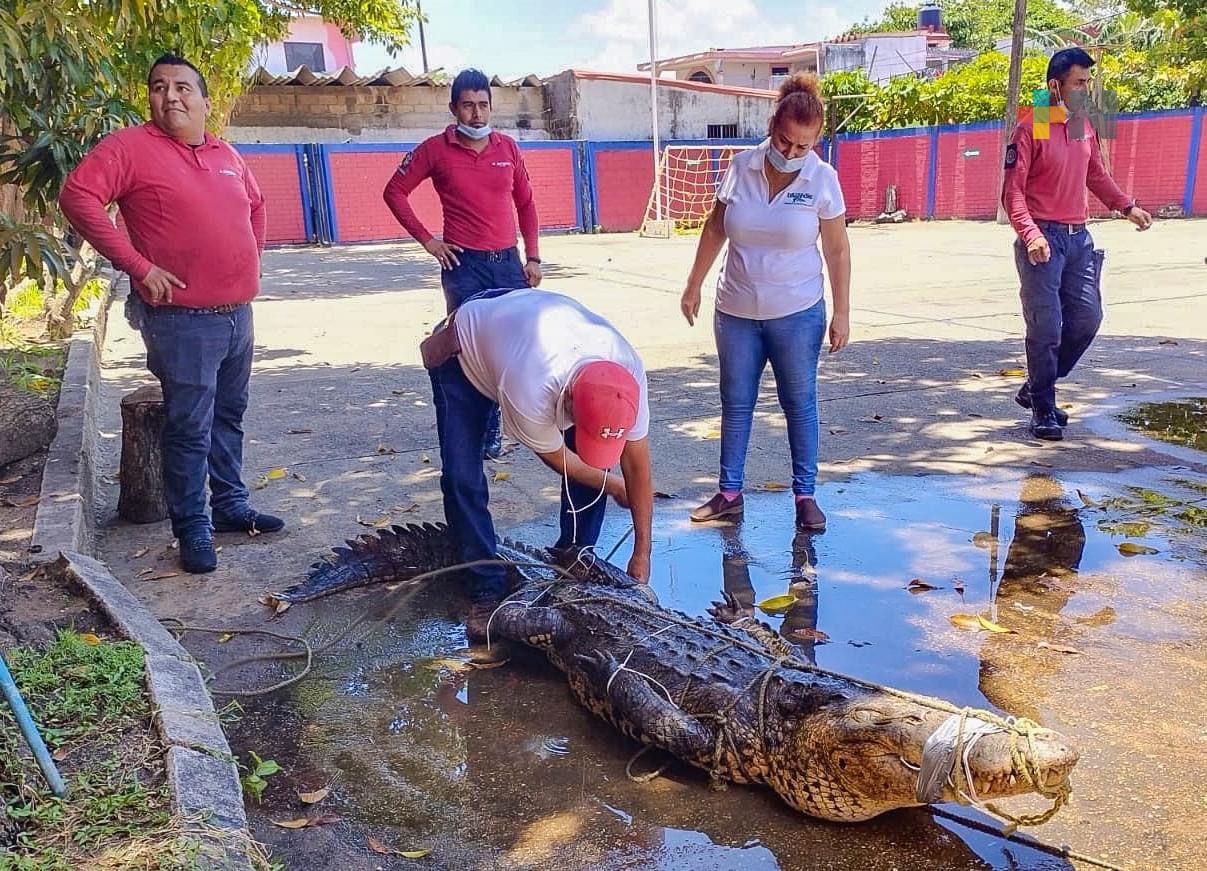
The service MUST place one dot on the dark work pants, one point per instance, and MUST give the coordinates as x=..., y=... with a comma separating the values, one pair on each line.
x=478, y=271
x=203, y=363
x=1062, y=307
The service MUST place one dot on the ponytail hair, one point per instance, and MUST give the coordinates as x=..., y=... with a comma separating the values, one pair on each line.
x=799, y=101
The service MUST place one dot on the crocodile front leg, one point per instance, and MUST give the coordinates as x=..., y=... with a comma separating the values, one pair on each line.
x=544, y=628
x=732, y=613
x=640, y=708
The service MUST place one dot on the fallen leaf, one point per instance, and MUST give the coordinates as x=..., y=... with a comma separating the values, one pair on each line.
x=308, y=822
x=983, y=539
x=456, y=666
x=917, y=585
x=958, y=586
x=260, y=483
x=1059, y=648
x=990, y=626
x=1130, y=548
x=1013, y=373
x=837, y=430
x=1167, y=342
x=815, y=635
x=1041, y=463
x=712, y=434
x=1097, y=688
x=398, y=509
x=111, y=479
x=966, y=621
x=773, y=487
x=383, y=448
x=12, y=479
x=501, y=475
x=482, y=664
x=414, y=854
x=658, y=494
x=225, y=637
x=777, y=604
x=302, y=431
x=1086, y=500
x=299, y=823
x=314, y=797
x=378, y=847
x=59, y=755
x=424, y=458
x=279, y=606
x=161, y=576
x=399, y=392
x=875, y=418
x=299, y=476
x=975, y=375
x=90, y=639
x=276, y=474
x=141, y=552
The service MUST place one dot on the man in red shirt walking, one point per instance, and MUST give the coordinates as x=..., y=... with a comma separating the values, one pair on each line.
x=195, y=218
x=1044, y=194
x=479, y=176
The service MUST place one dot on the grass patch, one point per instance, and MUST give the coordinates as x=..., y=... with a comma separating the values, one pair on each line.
x=89, y=703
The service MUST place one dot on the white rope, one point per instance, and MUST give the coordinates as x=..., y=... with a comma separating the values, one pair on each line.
x=939, y=751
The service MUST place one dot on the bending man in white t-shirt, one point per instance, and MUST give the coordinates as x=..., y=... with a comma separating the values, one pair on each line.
x=569, y=387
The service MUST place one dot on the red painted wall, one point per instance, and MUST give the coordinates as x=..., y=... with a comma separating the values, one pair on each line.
x=277, y=175
x=1199, y=200
x=966, y=174
x=358, y=178
x=624, y=178
x=867, y=166
x=1147, y=158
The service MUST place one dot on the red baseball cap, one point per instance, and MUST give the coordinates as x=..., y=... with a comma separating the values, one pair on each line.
x=605, y=397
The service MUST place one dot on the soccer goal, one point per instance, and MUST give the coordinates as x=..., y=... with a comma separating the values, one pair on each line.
x=685, y=187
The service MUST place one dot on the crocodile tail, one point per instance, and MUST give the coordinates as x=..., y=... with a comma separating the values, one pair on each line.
x=389, y=555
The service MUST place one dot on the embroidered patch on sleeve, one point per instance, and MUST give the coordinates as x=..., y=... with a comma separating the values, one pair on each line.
x=406, y=163
x=1011, y=155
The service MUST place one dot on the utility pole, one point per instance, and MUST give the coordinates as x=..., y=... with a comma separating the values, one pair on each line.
x=422, y=41
x=654, y=105
x=1018, y=29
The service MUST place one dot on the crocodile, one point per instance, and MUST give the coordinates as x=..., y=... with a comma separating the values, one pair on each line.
x=724, y=692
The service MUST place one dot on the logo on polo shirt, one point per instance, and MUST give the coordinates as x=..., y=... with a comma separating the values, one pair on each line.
x=800, y=198
x=228, y=172
x=501, y=163
x=608, y=433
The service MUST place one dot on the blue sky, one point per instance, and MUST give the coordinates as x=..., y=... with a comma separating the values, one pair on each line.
x=510, y=38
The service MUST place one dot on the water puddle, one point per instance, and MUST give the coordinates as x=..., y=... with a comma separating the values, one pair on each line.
x=499, y=768
x=1180, y=422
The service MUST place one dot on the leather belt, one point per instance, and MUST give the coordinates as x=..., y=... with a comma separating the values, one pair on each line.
x=188, y=309
x=1071, y=229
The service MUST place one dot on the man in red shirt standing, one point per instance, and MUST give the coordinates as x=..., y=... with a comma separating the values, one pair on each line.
x=1044, y=194
x=195, y=219
x=479, y=176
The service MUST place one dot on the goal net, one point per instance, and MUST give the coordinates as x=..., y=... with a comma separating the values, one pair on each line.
x=685, y=187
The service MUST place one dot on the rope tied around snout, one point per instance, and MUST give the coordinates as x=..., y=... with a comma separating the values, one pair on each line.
x=945, y=761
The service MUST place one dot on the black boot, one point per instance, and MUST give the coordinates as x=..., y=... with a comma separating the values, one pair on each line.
x=1045, y=426
x=1023, y=398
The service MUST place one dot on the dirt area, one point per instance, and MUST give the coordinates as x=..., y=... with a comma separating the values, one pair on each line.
x=920, y=439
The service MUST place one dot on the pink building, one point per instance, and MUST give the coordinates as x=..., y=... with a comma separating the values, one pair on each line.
x=311, y=42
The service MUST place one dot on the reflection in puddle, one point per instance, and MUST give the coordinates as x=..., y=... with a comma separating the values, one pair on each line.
x=500, y=768
x=1180, y=422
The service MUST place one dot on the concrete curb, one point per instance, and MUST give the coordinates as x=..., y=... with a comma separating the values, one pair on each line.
x=201, y=770
x=66, y=517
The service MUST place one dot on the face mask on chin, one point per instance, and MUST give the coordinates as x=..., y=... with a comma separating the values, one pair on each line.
x=475, y=133
x=784, y=164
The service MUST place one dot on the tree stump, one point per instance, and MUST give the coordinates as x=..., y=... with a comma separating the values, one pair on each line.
x=141, y=499
x=27, y=424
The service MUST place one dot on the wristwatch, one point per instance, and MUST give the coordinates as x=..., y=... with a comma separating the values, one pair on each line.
x=1128, y=208
x=537, y=260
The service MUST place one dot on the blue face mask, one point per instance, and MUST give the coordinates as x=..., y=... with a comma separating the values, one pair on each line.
x=784, y=164
x=473, y=132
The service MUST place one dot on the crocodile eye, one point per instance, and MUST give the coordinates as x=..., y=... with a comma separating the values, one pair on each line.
x=842, y=762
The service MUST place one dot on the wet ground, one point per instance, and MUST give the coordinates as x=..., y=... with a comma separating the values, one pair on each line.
x=500, y=768
x=920, y=438
x=1179, y=422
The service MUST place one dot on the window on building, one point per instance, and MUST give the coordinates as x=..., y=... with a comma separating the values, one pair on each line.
x=779, y=71
x=722, y=131
x=700, y=76
x=308, y=53
x=778, y=76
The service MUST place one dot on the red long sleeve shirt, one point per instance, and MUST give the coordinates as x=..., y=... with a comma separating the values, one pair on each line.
x=476, y=190
x=196, y=212
x=1047, y=179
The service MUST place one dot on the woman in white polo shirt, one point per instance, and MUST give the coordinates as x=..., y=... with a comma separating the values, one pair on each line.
x=774, y=203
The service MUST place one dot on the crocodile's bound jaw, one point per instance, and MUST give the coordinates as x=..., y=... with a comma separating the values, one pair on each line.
x=852, y=761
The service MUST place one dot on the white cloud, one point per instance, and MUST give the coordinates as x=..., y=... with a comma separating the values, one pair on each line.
x=371, y=58
x=621, y=29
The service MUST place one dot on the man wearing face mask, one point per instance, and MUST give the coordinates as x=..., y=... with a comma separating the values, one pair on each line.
x=1044, y=193
x=479, y=176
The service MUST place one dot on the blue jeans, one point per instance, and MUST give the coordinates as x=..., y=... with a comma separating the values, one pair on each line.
x=1062, y=308
x=461, y=419
x=792, y=344
x=203, y=363
x=475, y=272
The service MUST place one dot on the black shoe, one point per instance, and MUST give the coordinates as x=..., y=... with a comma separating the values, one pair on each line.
x=197, y=554
x=718, y=507
x=1044, y=426
x=809, y=517
x=494, y=449
x=1023, y=398
x=249, y=520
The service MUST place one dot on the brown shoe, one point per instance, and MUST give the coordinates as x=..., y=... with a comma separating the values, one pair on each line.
x=808, y=516
x=717, y=507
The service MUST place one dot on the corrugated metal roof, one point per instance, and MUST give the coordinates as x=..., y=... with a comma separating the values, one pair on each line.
x=397, y=77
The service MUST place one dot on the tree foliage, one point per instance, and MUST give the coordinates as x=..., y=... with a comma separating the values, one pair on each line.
x=977, y=24
x=72, y=71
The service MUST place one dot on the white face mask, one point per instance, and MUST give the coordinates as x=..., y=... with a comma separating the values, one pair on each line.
x=473, y=132
x=784, y=164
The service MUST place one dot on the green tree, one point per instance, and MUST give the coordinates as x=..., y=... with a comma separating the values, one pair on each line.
x=73, y=70
x=977, y=24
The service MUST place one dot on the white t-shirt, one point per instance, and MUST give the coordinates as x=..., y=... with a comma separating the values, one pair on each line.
x=773, y=267
x=521, y=349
